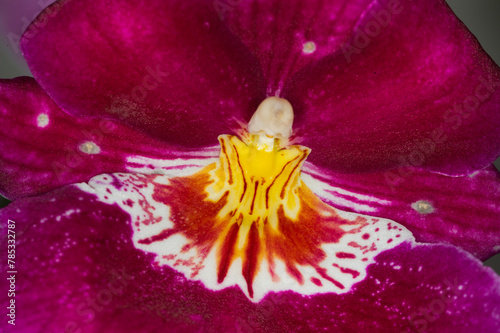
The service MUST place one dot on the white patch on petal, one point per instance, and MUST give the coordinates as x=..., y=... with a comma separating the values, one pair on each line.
x=42, y=120
x=423, y=207
x=309, y=47
x=345, y=264
x=89, y=147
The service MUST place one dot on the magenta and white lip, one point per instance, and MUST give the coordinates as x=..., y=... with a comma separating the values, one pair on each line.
x=346, y=262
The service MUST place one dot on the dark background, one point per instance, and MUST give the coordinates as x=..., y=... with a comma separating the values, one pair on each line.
x=481, y=17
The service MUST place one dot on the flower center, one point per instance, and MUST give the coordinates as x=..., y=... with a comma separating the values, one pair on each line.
x=257, y=181
x=252, y=207
x=250, y=220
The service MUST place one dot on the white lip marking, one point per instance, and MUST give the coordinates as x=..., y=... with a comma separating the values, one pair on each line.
x=347, y=260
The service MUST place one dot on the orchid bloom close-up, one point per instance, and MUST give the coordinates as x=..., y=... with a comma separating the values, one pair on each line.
x=250, y=166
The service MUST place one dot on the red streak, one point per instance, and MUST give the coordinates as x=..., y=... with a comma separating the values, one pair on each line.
x=343, y=255
x=242, y=173
x=282, y=194
x=164, y=234
x=274, y=180
x=227, y=252
x=354, y=273
x=252, y=257
x=254, y=195
x=223, y=149
x=316, y=281
x=322, y=272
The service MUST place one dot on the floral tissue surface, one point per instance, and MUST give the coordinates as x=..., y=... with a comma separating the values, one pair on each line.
x=250, y=166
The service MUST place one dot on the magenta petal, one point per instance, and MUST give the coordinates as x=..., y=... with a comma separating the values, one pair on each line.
x=287, y=35
x=42, y=148
x=462, y=211
x=410, y=87
x=77, y=268
x=168, y=68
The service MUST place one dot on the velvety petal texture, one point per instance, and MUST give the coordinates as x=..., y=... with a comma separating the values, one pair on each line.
x=287, y=35
x=463, y=211
x=42, y=147
x=168, y=68
x=78, y=270
x=411, y=86
x=374, y=106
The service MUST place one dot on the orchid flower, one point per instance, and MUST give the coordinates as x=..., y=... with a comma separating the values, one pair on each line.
x=251, y=166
